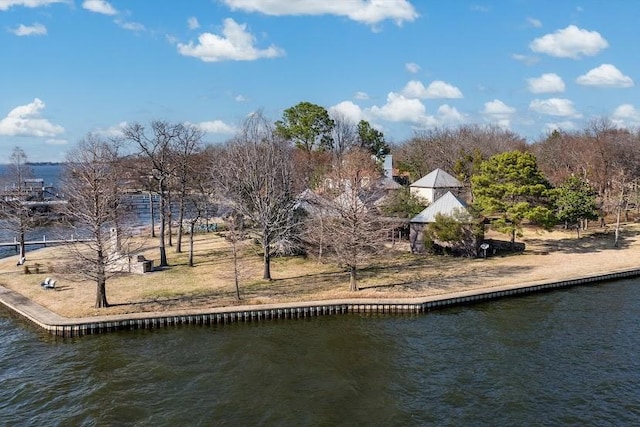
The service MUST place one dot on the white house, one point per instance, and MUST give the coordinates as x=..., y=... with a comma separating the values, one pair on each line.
x=434, y=185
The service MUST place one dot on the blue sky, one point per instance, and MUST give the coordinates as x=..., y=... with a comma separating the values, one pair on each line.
x=70, y=67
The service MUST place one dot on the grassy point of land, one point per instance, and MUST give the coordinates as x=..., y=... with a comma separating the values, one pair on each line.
x=552, y=255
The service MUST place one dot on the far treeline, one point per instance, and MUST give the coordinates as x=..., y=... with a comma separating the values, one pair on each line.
x=312, y=183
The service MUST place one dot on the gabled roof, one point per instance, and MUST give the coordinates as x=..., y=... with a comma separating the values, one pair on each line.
x=445, y=205
x=437, y=179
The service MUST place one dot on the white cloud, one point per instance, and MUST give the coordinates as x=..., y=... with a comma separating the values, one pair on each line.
x=566, y=125
x=193, y=23
x=626, y=116
x=113, y=131
x=605, y=75
x=400, y=109
x=349, y=110
x=55, y=141
x=497, y=108
x=571, y=42
x=535, y=23
x=366, y=11
x=25, y=120
x=498, y=112
x=448, y=115
x=546, y=83
x=99, y=6
x=213, y=126
x=236, y=44
x=361, y=95
x=6, y=4
x=240, y=98
x=436, y=90
x=412, y=67
x=554, y=107
x=526, y=59
x=130, y=26
x=30, y=30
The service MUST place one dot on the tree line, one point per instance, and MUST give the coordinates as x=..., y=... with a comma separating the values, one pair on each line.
x=312, y=183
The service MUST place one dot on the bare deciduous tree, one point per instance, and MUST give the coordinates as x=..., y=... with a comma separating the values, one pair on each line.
x=94, y=208
x=345, y=220
x=19, y=216
x=188, y=144
x=254, y=174
x=157, y=148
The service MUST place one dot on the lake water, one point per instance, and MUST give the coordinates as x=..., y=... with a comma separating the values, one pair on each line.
x=567, y=357
x=52, y=174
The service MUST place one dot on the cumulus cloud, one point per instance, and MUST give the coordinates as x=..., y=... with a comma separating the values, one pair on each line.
x=554, y=107
x=348, y=110
x=193, y=23
x=235, y=44
x=448, y=115
x=412, y=67
x=400, y=109
x=546, y=83
x=526, y=59
x=605, y=75
x=571, y=42
x=361, y=95
x=25, y=120
x=365, y=11
x=30, y=30
x=436, y=90
x=6, y=4
x=99, y=6
x=213, y=126
x=626, y=116
x=240, y=98
x=498, y=112
x=112, y=131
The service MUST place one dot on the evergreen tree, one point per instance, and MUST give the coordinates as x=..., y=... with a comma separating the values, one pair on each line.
x=510, y=189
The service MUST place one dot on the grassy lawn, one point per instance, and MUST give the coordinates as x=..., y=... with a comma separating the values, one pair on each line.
x=398, y=274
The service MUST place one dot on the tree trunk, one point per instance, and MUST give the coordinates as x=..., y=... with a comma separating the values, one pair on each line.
x=513, y=240
x=617, y=233
x=267, y=260
x=353, y=284
x=191, y=228
x=22, y=245
x=169, y=220
x=153, y=225
x=101, y=282
x=236, y=272
x=163, y=251
x=180, y=219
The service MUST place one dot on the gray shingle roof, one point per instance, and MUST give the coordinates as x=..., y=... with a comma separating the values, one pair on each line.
x=445, y=205
x=437, y=179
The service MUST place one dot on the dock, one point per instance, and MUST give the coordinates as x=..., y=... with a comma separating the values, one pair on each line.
x=44, y=242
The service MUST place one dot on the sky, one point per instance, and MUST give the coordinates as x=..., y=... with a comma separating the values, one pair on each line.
x=73, y=67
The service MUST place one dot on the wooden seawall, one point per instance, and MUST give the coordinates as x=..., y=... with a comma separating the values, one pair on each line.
x=67, y=327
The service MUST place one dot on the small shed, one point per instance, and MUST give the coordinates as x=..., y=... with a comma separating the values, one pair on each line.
x=445, y=205
x=434, y=185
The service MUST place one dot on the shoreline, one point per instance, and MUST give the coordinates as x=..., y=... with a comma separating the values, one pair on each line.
x=60, y=326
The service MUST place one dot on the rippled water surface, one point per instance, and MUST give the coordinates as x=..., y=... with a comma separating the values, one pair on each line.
x=562, y=358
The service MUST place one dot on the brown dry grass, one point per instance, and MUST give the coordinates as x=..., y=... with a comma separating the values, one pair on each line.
x=549, y=256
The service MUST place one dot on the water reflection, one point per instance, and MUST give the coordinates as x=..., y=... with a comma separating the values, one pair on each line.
x=566, y=357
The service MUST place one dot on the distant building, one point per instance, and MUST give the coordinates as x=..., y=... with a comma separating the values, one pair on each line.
x=447, y=205
x=436, y=184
